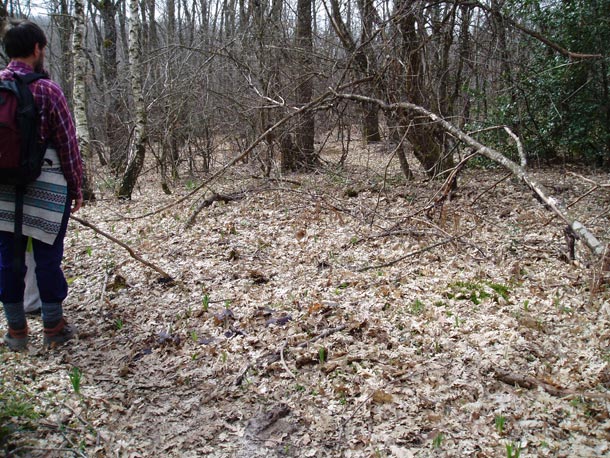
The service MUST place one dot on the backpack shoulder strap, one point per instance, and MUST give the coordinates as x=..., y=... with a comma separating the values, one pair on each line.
x=29, y=78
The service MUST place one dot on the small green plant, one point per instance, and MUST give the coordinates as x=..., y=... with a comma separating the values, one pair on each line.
x=477, y=292
x=322, y=355
x=16, y=413
x=417, y=307
x=89, y=250
x=513, y=450
x=526, y=305
x=119, y=323
x=205, y=302
x=501, y=290
x=194, y=336
x=438, y=440
x=224, y=357
x=438, y=347
x=300, y=388
x=76, y=376
x=500, y=422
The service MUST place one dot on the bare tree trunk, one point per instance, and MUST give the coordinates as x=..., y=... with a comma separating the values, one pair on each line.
x=62, y=21
x=80, y=96
x=363, y=62
x=427, y=139
x=305, y=131
x=113, y=130
x=137, y=148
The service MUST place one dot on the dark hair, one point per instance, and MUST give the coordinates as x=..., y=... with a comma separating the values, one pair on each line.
x=21, y=36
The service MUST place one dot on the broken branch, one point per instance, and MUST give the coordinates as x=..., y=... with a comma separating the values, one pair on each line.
x=165, y=277
x=529, y=382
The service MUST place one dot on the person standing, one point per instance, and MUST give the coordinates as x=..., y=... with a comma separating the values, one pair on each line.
x=48, y=201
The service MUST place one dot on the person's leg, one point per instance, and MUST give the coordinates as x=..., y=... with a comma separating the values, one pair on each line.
x=50, y=278
x=52, y=286
x=11, y=293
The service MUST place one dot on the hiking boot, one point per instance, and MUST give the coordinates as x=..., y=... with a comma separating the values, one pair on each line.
x=17, y=340
x=58, y=334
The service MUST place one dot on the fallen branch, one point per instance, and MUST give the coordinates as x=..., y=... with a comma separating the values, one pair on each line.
x=540, y=192
x=224, y=198
x=284, y=362
x=165, y=277
x=529, y=382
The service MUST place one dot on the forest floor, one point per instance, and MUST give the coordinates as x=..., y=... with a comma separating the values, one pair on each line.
x=325, y=314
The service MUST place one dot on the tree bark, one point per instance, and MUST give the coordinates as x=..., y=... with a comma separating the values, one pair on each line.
x=137, y=148
x=79, y=93
x=305, y=131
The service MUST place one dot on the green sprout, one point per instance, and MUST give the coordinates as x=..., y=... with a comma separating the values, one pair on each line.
x=76, y=376
x=500, y=422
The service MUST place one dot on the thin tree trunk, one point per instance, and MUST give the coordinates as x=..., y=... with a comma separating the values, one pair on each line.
x=79, y=92
x=305, y=131
x=137, y=148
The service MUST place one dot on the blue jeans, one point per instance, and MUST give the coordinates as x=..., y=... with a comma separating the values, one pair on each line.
x=52, y=284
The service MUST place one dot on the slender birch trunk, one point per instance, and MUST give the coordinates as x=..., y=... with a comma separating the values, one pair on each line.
x=137, y=148
x=79, y=94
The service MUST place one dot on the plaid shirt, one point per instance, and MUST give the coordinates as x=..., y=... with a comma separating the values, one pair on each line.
x=56, y=126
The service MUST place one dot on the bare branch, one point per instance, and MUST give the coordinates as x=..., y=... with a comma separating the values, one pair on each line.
x=532, y=33
x=540, y=192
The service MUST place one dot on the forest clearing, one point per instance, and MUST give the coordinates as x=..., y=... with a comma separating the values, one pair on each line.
x=326, y=314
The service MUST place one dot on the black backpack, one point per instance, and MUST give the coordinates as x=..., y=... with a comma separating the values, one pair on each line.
x=21, y=149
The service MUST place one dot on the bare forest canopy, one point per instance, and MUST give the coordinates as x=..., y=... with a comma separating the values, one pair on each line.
x=182, y=80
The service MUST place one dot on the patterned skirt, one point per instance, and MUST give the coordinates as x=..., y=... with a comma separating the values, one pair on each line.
x=44, y=202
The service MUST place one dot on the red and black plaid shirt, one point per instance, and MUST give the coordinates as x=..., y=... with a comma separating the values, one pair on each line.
x=56, y=127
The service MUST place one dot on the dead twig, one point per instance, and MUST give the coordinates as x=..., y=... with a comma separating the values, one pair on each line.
x=165, y=277
x=489, y=188
x=326, y=333
x=284, y=362
x=414, y=253
x=275, y=356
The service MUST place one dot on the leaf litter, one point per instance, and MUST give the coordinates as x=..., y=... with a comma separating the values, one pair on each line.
x=328, y=315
